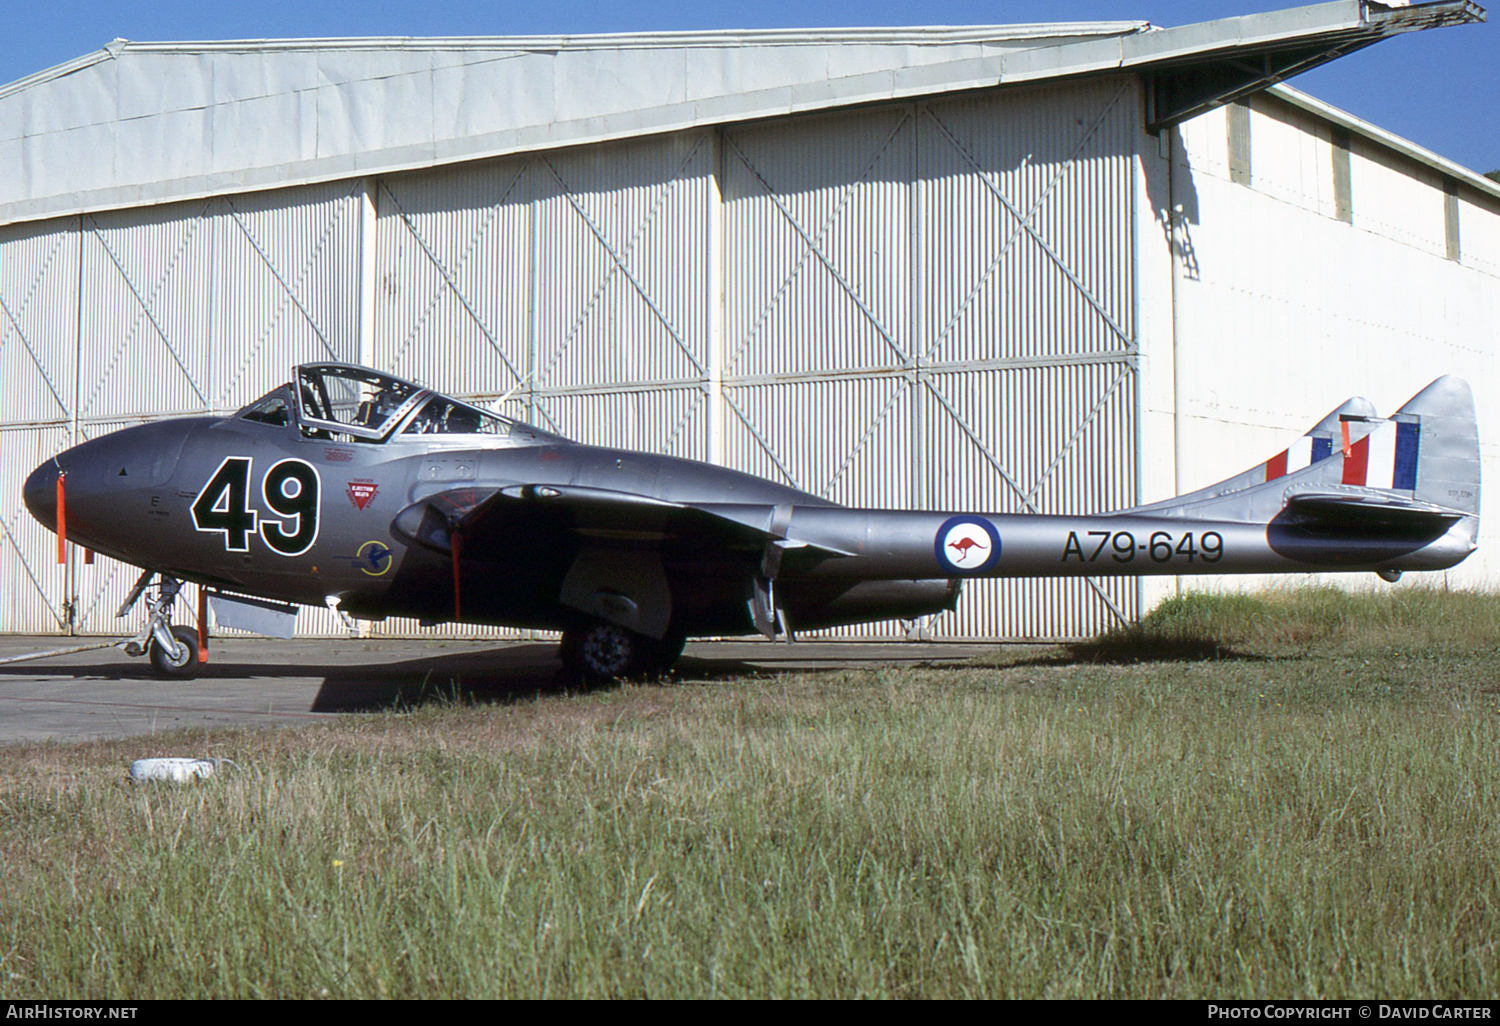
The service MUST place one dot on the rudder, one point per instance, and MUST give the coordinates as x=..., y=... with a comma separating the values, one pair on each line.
x=1436, y=444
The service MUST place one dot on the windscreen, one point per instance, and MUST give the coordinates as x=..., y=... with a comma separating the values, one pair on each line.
x=361, y=403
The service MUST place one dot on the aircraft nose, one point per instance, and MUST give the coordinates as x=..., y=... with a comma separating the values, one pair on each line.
x=40, y=494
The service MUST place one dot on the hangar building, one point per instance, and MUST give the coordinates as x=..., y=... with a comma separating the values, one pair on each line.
x=1052, y=268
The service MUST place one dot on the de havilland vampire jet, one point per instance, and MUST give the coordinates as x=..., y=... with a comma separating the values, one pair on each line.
x=359, y=490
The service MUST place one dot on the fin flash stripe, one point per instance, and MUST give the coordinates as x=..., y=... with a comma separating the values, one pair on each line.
x=1386, y=457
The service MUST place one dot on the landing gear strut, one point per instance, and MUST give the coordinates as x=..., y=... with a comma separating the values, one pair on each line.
x=173, y=650
x=605, y=651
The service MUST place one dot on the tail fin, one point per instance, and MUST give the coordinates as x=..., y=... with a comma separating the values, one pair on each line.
x=1442, y=443
x=1424, y=460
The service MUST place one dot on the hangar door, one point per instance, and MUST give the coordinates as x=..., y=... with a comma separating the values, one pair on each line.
x=932, y=306
x=114, y=319
x=922, y=305
x=925, y=304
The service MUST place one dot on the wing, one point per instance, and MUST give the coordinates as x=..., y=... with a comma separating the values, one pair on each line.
x=626, y=554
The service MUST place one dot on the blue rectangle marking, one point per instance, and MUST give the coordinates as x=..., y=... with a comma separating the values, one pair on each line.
x=1322, y=448
x=1408, y=443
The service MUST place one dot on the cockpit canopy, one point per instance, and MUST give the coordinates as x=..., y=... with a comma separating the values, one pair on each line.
x=342, y=402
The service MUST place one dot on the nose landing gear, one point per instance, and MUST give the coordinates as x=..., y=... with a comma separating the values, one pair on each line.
x=173, y=650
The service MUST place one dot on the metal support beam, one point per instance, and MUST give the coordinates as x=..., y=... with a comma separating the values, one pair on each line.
x=1177, y=90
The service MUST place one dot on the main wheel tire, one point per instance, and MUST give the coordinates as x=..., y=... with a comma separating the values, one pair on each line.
x=607, y=651
x=186, y=663
x=603, y=651
x=666, y=652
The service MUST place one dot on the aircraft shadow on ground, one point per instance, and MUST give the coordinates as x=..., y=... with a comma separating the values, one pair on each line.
x=505, y=675
x=1130, y=651
x=518, y=673
x=521, y=673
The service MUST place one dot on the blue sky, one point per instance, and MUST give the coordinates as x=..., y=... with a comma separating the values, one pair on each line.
x=1438, y=88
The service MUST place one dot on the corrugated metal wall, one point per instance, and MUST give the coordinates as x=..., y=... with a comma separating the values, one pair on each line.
x=928, y=304
x=1285, y=308
x=113, y=319
x=948, y=288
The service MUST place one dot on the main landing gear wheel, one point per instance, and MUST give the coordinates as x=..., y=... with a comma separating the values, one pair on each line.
x=182, y=663
x=666, y=652
x=605, y=651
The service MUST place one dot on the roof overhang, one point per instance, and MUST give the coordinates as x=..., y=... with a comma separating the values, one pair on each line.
x=149, y=123
x=1271, y=48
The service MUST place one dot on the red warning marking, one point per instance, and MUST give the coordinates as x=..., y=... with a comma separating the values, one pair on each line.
x=361, y=493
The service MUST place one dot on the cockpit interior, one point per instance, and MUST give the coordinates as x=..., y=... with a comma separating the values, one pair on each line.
x=344, y=403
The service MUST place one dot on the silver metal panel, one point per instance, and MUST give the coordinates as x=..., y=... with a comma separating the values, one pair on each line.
x=145, y=346
x=662, y=420
x=1026, y=208
x=202, y=307
x=530, y=281
x=453, y=277
x=1032, y=440
x=1041, y=609
x=849, y=439
x=284, y=287
x=937, y=309
x=619, y=255
x=1058, y=439
x=818, y=230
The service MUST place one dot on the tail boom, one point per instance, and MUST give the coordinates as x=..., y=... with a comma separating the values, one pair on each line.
x=907, y=545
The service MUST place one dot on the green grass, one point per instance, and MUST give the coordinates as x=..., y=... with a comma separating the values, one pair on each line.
x=1310, y=813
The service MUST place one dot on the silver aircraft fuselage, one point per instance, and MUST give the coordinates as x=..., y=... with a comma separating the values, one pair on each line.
x=398, y=501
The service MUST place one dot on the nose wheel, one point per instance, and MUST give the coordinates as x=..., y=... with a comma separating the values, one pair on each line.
x=182, y=661
x=173, y=650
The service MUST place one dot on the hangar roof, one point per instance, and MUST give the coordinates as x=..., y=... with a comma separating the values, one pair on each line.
x=144, y=123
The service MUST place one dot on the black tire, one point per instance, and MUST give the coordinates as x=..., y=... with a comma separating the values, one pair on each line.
x=185, y=666
x=603, y=651
x=666, y=652
x=606, y=651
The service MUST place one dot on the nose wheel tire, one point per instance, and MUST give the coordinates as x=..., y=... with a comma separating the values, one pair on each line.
x=183, y=663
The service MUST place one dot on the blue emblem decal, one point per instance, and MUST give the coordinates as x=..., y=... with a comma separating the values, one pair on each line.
x=967, y=545
x=374, y=558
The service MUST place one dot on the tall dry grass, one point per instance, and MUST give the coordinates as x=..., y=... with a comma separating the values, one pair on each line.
x=1312, y=813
